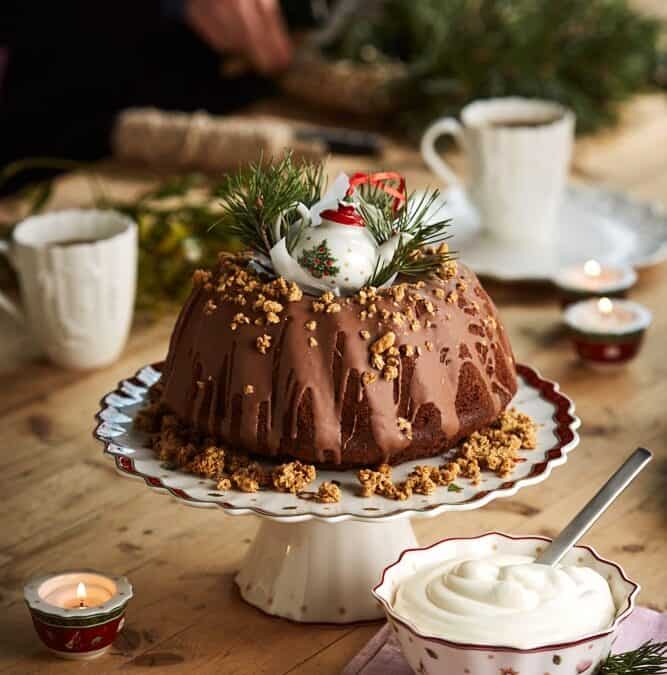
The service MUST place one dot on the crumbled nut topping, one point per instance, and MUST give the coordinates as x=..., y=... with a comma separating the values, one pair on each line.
x=377, y=361
x=201, y=277
x=312, y=342
x=405, y=426
x=383, y=343
x=224, y=484
x=248, y=389
x=263, y=343
x=368, y=377
x=422, y=480
x=210, y=463
x=293, y=477
x=328, y=493
x=495, y=448
x=390, y=373
x=310, y=325
x=272, y=306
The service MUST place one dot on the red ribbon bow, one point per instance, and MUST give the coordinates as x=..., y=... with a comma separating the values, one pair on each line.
x=383, y=180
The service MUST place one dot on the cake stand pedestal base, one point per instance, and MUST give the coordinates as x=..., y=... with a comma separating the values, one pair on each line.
x=314, y=571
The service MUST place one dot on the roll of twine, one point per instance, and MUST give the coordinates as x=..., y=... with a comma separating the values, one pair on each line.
x=202, y=141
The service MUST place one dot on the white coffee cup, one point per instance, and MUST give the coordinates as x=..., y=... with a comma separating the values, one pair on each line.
x=518, y=153
x=77, y=272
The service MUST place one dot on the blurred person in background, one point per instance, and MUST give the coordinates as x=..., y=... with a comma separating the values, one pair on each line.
x=67, y=67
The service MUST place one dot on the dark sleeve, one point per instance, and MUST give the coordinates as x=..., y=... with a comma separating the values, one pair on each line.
x=26, y=23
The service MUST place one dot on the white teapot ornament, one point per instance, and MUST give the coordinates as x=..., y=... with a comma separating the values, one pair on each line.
x=337, y=254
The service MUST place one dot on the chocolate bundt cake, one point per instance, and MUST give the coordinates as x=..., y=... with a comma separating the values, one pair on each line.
x=383, y=375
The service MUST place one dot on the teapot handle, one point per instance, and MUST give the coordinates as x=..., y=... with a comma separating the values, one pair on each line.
x=302, y=210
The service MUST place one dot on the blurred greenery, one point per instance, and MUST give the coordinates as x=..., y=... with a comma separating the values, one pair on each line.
x=177, y=234
x=588, y=54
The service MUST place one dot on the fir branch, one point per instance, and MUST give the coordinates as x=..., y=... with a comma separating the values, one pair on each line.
x=254, y=198
x=650, y=658
x=379, y=222
x=412, y=257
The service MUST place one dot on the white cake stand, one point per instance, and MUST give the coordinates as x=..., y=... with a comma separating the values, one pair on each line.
x=316, y=562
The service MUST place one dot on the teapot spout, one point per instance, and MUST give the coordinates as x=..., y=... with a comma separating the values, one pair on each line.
x=300, y=208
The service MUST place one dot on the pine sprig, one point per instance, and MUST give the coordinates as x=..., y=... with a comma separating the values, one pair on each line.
x=649, y=659
x=412, y=257
x=254, y=198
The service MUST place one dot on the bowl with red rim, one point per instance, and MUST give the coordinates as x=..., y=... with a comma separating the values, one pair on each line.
x=437, y=655
x=77, y=632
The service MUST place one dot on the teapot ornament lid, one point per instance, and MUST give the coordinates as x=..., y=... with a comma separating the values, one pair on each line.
x=345, y=214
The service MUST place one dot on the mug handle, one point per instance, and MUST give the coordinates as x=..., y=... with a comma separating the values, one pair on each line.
x=450, y=126
x=5, y=303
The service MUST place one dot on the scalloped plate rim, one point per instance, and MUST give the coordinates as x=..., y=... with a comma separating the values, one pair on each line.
x=563, y=448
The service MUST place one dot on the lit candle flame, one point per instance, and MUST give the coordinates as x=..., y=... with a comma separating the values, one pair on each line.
x=592, y=268
x=81, y=594
x=605, y=306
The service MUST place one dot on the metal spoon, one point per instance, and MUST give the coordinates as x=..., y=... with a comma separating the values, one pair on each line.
x=583, y=521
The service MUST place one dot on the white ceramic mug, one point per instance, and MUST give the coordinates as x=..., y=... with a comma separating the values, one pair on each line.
x=77, y=271
x=518, y=152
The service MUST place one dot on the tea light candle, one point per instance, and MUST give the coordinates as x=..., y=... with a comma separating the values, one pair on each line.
x=78, y=595
x=594, y=279
x=605, y=331
x=77, y=615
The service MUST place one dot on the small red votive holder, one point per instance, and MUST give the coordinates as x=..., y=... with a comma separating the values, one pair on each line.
x=78, y=614
x=594, y=279
x=605, y=332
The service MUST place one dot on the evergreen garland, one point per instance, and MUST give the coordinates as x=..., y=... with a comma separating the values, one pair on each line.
x=588, y=54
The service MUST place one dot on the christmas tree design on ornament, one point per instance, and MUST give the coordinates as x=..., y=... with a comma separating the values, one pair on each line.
x=319, y=261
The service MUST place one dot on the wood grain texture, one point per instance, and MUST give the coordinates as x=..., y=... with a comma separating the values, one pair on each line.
x=63, y=505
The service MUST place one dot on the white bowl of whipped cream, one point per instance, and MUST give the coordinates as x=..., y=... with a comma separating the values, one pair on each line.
x=483, y=605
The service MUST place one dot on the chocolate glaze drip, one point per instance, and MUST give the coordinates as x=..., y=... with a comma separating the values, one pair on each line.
x=309, y=402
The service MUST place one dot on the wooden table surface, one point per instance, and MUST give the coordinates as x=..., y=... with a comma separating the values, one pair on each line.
x=63, y=505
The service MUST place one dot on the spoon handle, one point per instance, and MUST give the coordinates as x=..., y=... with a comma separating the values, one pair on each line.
x=583, y=521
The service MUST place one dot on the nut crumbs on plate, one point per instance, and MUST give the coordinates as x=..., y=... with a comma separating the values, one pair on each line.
x=293, y=476
x=328, y=493
x=494, y=448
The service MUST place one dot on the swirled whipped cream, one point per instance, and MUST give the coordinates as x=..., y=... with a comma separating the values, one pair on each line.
x=505, y=600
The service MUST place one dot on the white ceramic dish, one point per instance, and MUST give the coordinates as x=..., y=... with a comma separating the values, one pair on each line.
x=592, y=223
x=438, y=656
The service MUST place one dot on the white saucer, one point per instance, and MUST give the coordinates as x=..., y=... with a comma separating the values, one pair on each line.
x=593, y=223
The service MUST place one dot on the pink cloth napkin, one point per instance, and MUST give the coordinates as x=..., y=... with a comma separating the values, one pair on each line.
x=382, y=656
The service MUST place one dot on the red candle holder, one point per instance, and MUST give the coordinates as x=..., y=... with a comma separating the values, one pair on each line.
x=77, y=614
x=594, y=279
x=607, y=333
